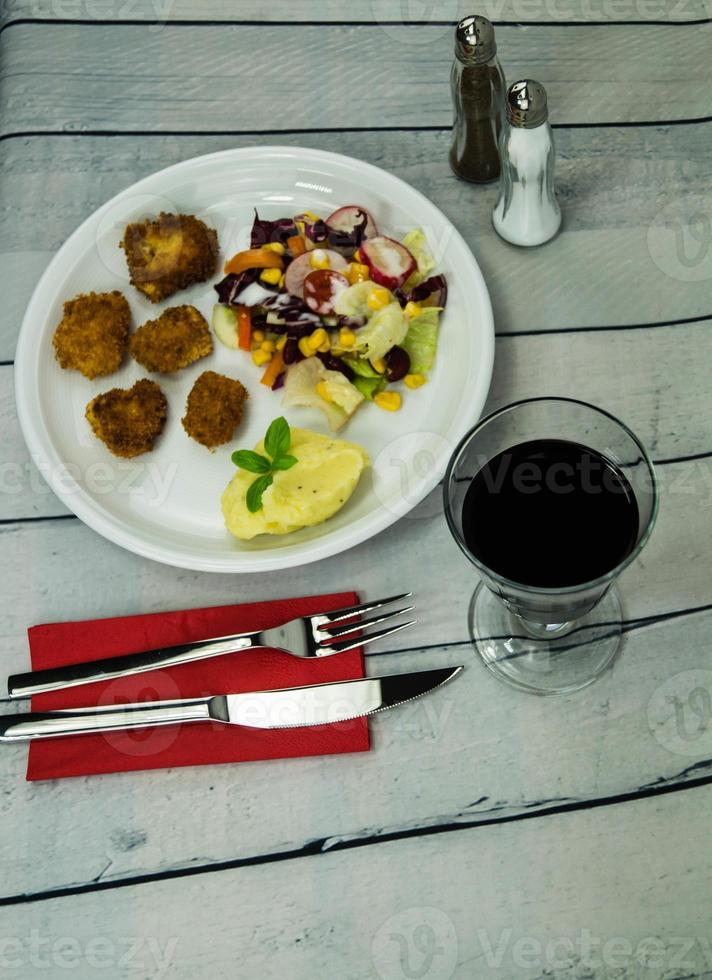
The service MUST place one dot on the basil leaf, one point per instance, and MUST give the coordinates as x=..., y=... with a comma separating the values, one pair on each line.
x=277, y=438
x=252, y=462
x=255, y=491
x=283, y=462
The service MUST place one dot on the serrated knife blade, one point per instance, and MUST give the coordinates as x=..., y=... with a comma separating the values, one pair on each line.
x=292, y=707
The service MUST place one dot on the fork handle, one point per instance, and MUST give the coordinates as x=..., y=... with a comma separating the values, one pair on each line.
x=112, y=718
x=21, y=686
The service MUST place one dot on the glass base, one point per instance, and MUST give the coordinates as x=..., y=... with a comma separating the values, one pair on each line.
x=543, y=660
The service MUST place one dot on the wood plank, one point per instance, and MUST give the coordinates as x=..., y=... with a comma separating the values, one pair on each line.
x=472, y=753
x=666, y=400
x=618, y=188
x=570, y=896
x=342, y=11
x=205, y=78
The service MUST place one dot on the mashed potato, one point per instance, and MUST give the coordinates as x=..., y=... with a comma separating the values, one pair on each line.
x=313, y=490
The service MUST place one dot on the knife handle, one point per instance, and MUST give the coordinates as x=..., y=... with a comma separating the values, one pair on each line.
x=91, y=721
x=20, y=686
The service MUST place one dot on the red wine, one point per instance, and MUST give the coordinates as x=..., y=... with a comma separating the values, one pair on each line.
x=551, y=514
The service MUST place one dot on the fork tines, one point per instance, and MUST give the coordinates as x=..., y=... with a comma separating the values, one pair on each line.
x=330, y=630
x=338, y=614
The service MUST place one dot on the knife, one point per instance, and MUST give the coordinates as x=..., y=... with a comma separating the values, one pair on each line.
x=290, y=707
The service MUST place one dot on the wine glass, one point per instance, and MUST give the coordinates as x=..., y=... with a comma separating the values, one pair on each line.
x=543, y=639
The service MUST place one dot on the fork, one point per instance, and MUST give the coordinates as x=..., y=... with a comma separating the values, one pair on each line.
x=306, y=637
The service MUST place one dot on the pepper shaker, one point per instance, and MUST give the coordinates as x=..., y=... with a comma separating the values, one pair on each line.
x=477, y=85
x=527, y=212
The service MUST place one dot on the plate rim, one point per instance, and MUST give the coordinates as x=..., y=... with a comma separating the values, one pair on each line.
x=114, y=528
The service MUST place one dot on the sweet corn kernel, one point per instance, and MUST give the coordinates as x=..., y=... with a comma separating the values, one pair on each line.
x=318, y=339
x=281, y=342
x=258, y=336
x=389, y=400
x=357, y=255
x=276, y=247
x=378, y=364
x=261, y=357
x=269, y=346
x=412, y=309
x=305, y=347
x=414, y=380
x=356, y=272
x=378, y=298
x=318, y=259
x=272, y=276
x=347, y=338
x=322, y=389
x=281, y=281
x=311, y=217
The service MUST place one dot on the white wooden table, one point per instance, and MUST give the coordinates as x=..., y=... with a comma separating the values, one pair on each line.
x=488, y=833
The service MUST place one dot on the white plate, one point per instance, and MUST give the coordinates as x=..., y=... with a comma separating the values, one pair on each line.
x=165, y=504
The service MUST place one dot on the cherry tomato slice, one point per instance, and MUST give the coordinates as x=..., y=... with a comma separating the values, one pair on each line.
x=321, y=288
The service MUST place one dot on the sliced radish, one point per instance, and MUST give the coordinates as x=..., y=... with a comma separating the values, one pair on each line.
x=299, y=269
x=347, y=218
x=321, y=288
x=389, y=263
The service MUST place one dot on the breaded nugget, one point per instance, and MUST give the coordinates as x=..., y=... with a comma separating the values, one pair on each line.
x=177, y=338
x=128, y=420
x=93, y=334
x=169, y=253
x=214, y=409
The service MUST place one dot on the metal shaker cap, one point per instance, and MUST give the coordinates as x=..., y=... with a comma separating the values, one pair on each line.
x=474, y=40
x=526, y=104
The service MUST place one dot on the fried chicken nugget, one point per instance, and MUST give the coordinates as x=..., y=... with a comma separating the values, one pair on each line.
x=169, y=253
x=214, y=409
x=177, y=338
x=93, y=334
x=129, y=420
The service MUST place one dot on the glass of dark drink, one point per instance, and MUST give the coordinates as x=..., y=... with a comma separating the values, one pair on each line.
x=550, y=499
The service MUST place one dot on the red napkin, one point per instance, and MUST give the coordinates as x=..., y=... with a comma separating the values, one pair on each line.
x=54, y=644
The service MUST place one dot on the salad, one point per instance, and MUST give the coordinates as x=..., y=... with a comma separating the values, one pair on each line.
x=336, y=313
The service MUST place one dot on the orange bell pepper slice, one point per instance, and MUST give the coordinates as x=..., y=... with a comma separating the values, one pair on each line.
x=244, y=327
x=253, y=258
x=274, y=369
x=296, y=245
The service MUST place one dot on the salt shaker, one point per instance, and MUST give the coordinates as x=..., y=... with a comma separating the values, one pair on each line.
x=477, y=85
x=527, y=212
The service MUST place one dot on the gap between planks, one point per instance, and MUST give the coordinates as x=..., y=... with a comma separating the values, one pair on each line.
x=109, y=133
x=328, y=845
x=228, y=22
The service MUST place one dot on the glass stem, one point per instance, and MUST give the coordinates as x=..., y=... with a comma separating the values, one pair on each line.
x=543, y=631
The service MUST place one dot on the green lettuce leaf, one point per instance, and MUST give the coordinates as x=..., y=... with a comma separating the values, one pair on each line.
x=360, y=367
x=386, y=328
x=421, y=341
x=301, y=389
x=353, y=300
x=417, y=244
x=369, y=386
